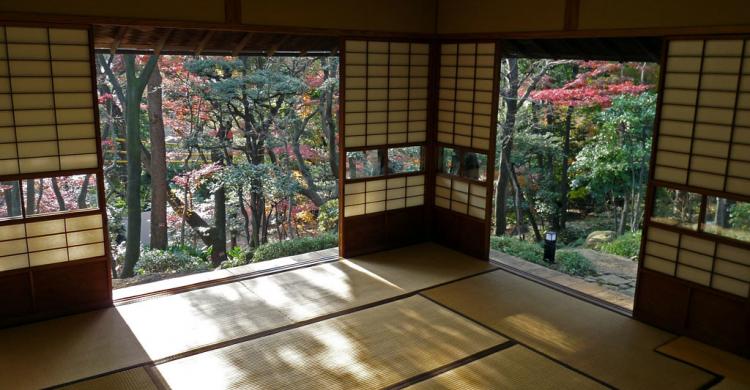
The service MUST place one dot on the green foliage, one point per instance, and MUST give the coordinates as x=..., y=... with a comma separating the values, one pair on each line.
x=573, y=263
x=236, y=257
x=328, y=216
x=158, y=261
x=739, y=215
x=569, y=262
x=627, y=245
x=526, y=250
x=294, y=247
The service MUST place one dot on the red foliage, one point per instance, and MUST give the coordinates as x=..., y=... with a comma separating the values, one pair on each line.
x=593, y=87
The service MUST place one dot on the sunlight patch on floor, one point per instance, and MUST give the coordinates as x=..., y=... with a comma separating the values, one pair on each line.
x=366, y=349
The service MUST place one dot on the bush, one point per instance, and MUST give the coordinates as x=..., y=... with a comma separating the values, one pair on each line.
x=573, y=263
x=158, y=261
x=627, y=245
x=328, y=216
x=236, y=257
x=295, y=247
x=528, y=251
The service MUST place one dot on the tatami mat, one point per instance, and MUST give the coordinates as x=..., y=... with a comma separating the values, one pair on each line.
x=67, y=349
x=202, y=277
x=735, y=369
x=133, y=379
x=603, y=344
x=139, y=332
x=179, y=323
x=371, y=348
x=419, y=266
x=514, y=368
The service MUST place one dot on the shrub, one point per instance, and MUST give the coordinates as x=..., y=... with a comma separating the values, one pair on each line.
x=328, y=216
x=627, y=245
x=236, y=257
x=528, y=251
x=294, y=247
x=158, y=261
x=573, y=263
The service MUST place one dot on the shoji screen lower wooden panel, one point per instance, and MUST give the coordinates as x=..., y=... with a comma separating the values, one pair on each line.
x=694, y=275
x=53, y=250
x=383, y=144
x=465, y=155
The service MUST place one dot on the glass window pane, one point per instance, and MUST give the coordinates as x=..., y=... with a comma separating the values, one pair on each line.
x=62, y=193
x=475, y=166
x=403, y=160
x=364, y=163
x=10, y=200
x=728, y=218
x=676, y=207
x=449, y=161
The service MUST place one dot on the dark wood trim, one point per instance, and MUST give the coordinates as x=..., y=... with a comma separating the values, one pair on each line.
x=492, y=152
x=341, y=145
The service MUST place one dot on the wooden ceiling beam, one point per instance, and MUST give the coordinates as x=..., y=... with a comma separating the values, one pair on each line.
x=271, y=51
x=121, y=32
x=241, y=45
x=204, y=41
x=161, y=42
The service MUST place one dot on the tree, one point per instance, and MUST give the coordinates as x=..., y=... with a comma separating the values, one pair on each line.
x=613, y=168
x=595, y=88
x=514, y=92
x=135, y=86
x=158, y=171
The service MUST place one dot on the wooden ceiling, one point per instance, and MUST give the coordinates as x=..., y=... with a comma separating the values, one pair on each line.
x=603, y=49
x=162, y=40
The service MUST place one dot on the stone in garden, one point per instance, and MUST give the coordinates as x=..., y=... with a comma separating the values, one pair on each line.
x=599, y=237
x=612, y=280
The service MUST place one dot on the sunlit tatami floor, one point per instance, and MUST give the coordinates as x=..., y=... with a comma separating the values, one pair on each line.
x=423, y=316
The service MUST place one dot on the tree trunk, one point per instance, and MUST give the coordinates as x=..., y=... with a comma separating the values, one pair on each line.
x=158, y=163
x=328, y=115
x=219, y=251
x=134, y=92
x=30, y=197
x=564, y=181
x=11, y=199
x=722, y=213
x=81, y=201
x=193, y=219
x=58, y=194
x=510, y=96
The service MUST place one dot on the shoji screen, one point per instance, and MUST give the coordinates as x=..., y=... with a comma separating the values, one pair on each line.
x=53, y=251
x=695, y=257
x=383, y=144
x=466, y=120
